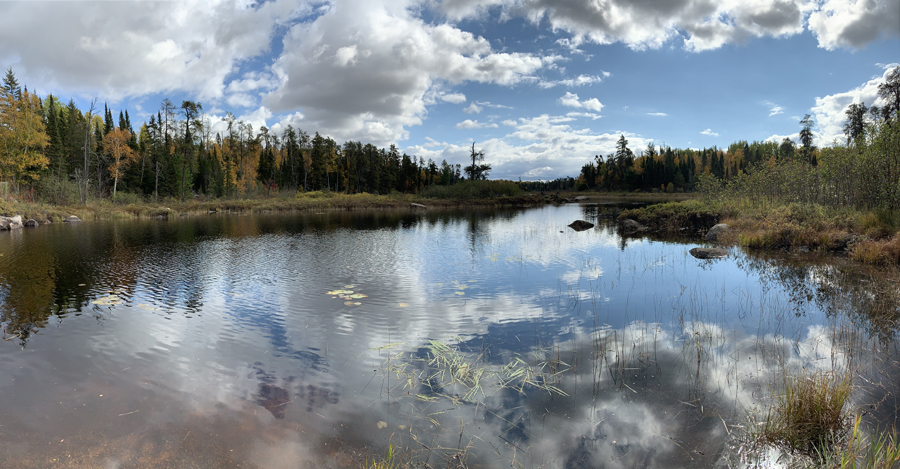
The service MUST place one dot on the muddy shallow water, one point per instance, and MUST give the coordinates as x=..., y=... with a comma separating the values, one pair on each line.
x=468, y=339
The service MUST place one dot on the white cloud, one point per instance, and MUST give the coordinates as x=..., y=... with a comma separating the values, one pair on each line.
x=590, y=115
x=492, y=105
x=650, y=24
x=509, y=122
x=384, y=88
x=455, y=98
x=552, y=145
x=128, y=49
x=472, y=109
x=854, y=23
x=470, y=124
x=710, y=133
x=657, y=114
x=580, y=80
x=829, y=110
x=774, y=109
x=571, y=100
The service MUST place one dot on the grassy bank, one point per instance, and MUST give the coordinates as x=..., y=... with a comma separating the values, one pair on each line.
x=870, y=236
x=477, y=194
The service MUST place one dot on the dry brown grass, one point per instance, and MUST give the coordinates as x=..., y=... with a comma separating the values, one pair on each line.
x=881, y=252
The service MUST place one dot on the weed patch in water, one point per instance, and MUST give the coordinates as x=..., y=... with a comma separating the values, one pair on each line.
x=809, y=414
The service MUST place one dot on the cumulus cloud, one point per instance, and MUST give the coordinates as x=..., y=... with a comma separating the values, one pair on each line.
x=128, y=49
x=470, y=124
x=854, y=23
x=398, y=58
x=571, y=100
x=829, y=110
x=710, y=133
x=455, y=98
x=640, y=25
x=472, y=109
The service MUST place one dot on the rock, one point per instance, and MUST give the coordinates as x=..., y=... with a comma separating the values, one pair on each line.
x=581, y=225
x=581, y=198
x=11, y=223
x=415, y=206
x=716, y=231
x=630, y=226
x=708, y=253
x=212, y=210
x=32, y=223
x=72, y=219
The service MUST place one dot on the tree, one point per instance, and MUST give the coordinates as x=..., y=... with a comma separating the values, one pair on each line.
x=115, y=144
x=477, y=171
x=889, y=91
x=855, y=127
x=806, y=137
x=22, y=133
x=191, y=112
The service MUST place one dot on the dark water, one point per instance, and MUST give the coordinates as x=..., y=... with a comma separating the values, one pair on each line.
x=221, y=341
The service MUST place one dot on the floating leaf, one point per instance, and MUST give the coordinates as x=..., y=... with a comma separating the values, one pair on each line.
x=381, y=424
x=349, y=287
x=339, y=292
x=348, y=303
x=357, y=296
x=110, y=300
x=462, y=287
x=356, y=303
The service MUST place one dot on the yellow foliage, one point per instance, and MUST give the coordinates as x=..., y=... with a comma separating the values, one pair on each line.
x=22, y=137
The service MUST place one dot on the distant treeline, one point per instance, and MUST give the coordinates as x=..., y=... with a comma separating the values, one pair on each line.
x=63, y=154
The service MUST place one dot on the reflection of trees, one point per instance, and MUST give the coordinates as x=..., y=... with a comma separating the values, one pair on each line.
x=868, y=295
x=28, y=283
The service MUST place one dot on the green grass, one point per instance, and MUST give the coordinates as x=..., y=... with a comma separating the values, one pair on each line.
x=809, y=413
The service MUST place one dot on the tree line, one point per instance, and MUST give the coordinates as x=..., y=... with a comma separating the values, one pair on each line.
x=67, y=154
x=868, y=149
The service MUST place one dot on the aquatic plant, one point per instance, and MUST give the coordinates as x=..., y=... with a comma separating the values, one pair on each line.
x=809, y=413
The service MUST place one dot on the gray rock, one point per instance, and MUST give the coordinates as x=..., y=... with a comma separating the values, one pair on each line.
x=581, y=198
x=581, y=225
x=708, y=253
x=415, y=206
x=11, y=223
x=32, y=223
x=630, y=226
x=72, y=219
x=716, y=231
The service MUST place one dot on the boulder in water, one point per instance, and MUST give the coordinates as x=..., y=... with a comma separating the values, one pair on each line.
x=708, y=253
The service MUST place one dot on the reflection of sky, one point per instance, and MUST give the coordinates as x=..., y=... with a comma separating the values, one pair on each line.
x=218, y=307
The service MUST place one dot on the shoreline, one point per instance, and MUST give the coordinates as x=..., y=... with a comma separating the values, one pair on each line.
x=870, y=237
x=318, y=201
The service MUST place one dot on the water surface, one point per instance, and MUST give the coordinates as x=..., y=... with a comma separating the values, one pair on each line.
x=307, y=340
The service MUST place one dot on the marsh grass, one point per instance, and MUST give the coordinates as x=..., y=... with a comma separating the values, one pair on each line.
x=808, y=414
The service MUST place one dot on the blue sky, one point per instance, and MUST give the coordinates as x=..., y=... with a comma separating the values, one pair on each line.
x=541, y=86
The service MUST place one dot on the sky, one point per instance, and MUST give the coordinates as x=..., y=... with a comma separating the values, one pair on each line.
x=541, y=86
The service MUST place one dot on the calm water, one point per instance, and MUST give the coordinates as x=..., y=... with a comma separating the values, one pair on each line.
x=305, y=340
